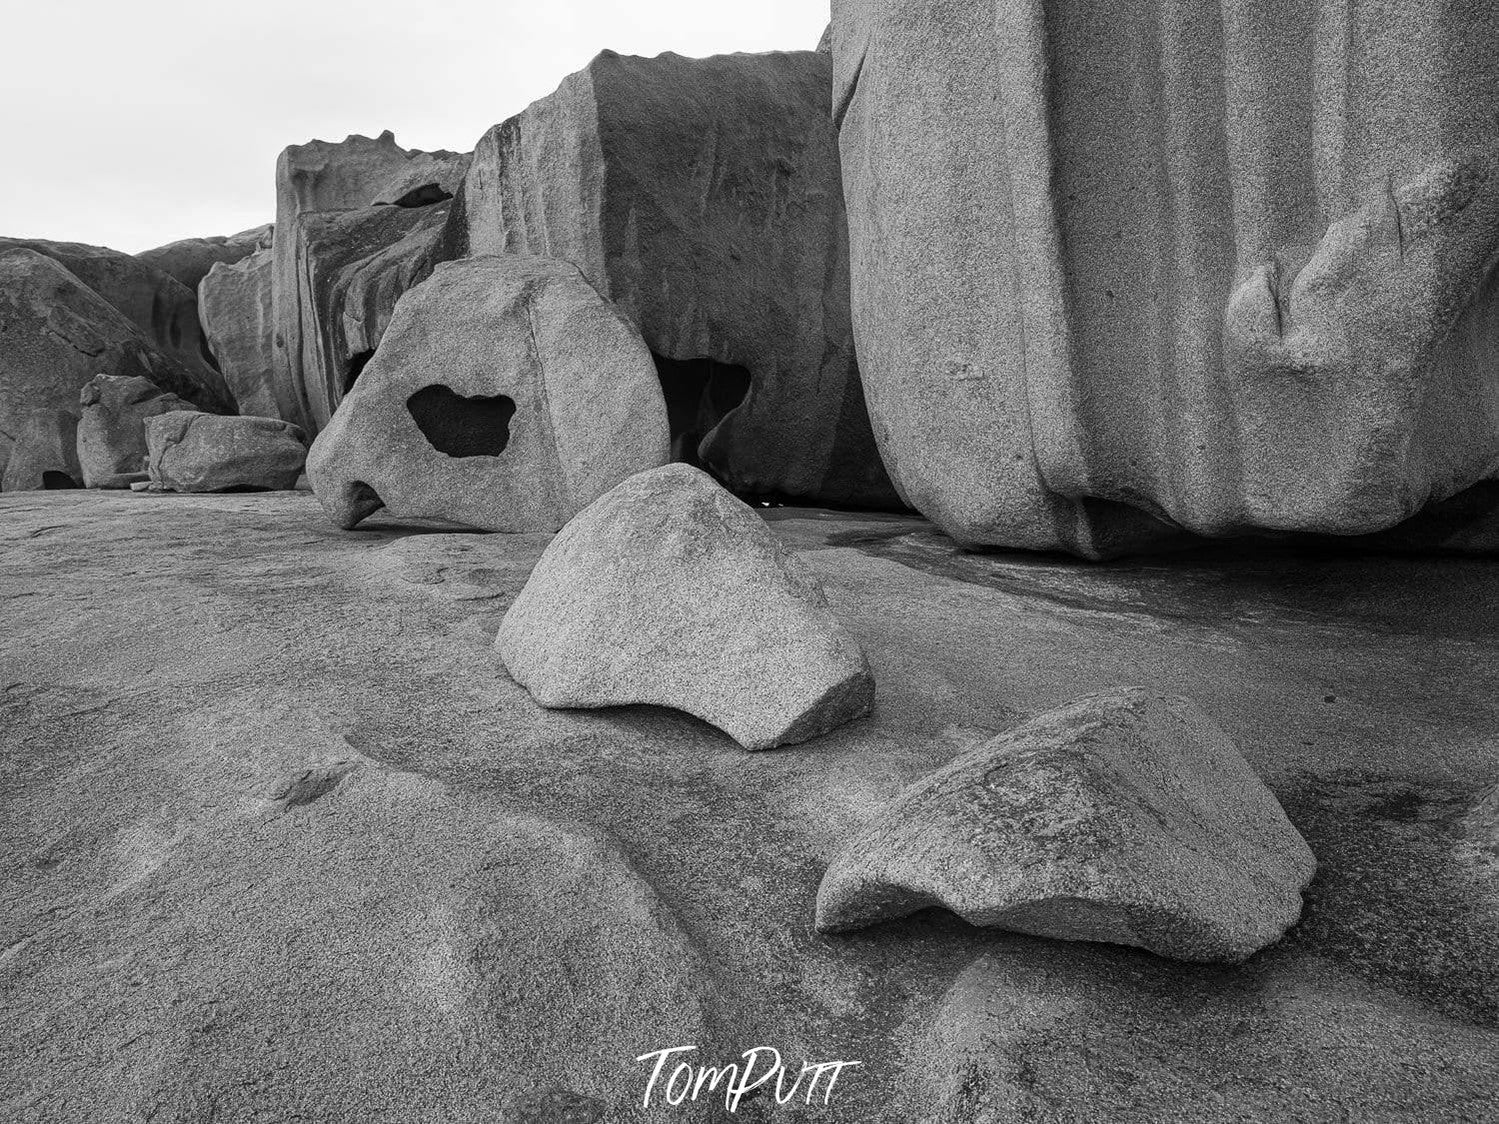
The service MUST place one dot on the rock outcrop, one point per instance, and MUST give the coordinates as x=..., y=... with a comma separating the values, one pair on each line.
x=702, y=196
x=194, y=452
x=351, y=269
x=191, y=259
x=112, y=428
x=1126, y=817
x=326, y=176
x=59, y=333
x=234, y=306
x=163, y=310
x=1116, y=279
x=45, y=453
x=670, y=592
x=505, y=395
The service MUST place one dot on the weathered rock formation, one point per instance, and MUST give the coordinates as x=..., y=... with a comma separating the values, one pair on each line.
x=1200, y=267
x=352, y=268
x=1126, y=817
x=324, y=176
x=45, y=453
x=189, y=451
x=668, y=591
x=58, y=333
x=112, y=428
x=234, y=307
x=506, y=395
x=163, y=310
x=702, y=196
x=191, y=259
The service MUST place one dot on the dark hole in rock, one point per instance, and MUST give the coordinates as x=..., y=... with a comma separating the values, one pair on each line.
x=460, y=426
x=423, y=196
x=699, y=393
x=52, y=480
x=355, y=367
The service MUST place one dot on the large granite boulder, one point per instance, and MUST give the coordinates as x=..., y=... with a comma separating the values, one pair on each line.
x=191, y=259
x=668, y=591
x=352, y=174
x=163, y=310
x=44, y=455
x=56, y=333
x=505, y=395
x=702, y=196
x=189, y=451
x=1118, y=278
x=112, y=427
x=1126, y=817
x=352, y=268
x=234, y=307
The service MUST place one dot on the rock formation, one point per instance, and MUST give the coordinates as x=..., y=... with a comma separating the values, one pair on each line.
x=112, y=428
x=163, y=310
x=45, y=453
x=1201, y=268
x=351, y=268
x=324, y=176
x=234, y=306
x=505, y=395
x=59, y=333
x=191, y=259
x=1126, y=817
x=194, y=452
x=668, y=591
x=702, y=196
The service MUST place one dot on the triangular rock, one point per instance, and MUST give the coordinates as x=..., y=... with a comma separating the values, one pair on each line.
x=669, y=591
x=1126, y=817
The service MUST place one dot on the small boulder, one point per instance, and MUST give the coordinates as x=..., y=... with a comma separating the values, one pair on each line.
x=668, y=591
x=505, y=394
x=45, y=453
x=1126, y=817
x=112, y=429
x=193, y=452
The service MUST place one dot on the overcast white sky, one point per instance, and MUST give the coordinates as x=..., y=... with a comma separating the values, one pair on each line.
x=130, y=123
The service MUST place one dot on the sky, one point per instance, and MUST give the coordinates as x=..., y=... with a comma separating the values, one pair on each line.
x=133, y=124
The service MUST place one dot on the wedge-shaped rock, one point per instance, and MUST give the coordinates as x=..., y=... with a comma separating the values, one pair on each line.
x=703, y=197
x=112, y=429
x=506, y=394
x=1126, y=817
x=234, y=304
x=193, y=452
x=45, y=454
x=669, y=591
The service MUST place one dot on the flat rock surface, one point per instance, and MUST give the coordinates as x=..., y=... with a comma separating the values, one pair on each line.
x=267, y=805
